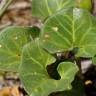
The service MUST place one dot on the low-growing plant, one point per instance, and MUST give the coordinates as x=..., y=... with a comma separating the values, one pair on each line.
x=48, y=58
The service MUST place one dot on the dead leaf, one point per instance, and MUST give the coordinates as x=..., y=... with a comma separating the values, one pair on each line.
x=10, y=91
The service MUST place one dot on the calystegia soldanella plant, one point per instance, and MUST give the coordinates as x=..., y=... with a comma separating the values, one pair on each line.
x=48, y=58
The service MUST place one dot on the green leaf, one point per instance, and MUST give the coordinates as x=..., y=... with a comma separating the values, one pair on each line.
x=69, y=29
x=45, y=8
x=34, y=75
x=85, y=4
x=34, y=31
x=12, y=40
x=77, y=89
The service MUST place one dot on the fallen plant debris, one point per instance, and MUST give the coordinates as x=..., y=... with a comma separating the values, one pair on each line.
x=10, y=91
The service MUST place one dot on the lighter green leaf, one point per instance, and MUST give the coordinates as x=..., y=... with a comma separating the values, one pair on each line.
x=12, y=40
x=34, y=75
x=45, y=8
x=69, y=29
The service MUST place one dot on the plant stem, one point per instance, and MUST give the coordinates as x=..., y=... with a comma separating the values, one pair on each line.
x=4, y=5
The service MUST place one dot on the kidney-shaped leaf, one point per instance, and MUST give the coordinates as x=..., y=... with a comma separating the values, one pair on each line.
x=68, y=29
x=34, y=75
x=12, y=39
x=45, y=8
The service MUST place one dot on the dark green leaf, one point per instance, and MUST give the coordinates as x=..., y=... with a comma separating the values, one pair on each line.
x=34, y=31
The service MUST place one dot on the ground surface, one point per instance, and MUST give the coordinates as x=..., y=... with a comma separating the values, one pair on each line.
x=18, y=13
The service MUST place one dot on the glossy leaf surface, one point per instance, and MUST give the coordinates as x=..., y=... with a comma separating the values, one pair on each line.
x=45, y=8
x=69, y=29
x=34, y=75
x=12, y=40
